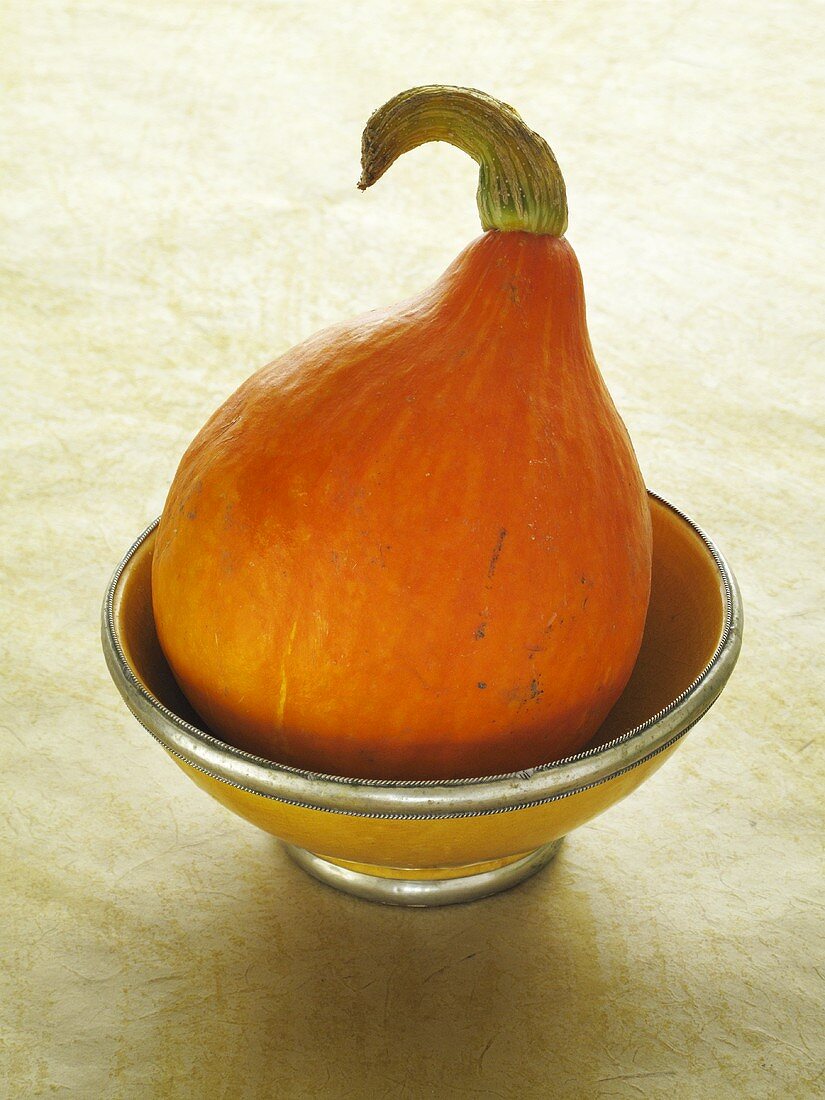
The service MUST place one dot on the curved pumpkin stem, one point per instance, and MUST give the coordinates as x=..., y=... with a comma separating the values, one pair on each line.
x=520, y=186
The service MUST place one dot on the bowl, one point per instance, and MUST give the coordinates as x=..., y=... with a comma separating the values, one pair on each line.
x=437, y=842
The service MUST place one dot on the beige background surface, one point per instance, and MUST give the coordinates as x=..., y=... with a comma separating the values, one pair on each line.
x=178, y=206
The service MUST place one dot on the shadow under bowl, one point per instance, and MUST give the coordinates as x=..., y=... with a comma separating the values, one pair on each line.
x=443, y=841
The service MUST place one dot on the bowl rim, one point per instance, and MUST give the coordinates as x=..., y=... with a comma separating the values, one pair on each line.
x=391, y=798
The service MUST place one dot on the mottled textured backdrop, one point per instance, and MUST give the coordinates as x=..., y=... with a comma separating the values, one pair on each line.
x=179, y=206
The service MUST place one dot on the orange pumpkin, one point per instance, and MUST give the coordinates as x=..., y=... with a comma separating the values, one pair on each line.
x=418, y=545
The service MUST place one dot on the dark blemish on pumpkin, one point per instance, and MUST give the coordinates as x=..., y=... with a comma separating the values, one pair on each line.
x=502, y=535
x=421, y=679
x=535, y=690
x=534, y=649
x=380, y=559
x=513, y=293
x=480, y=631
x=191, y=513
x=481, y=684
x=584, y=603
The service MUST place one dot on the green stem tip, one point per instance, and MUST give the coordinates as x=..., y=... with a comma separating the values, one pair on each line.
x=520, y=186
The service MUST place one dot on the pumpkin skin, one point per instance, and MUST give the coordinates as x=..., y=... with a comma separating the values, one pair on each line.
x=418, y=545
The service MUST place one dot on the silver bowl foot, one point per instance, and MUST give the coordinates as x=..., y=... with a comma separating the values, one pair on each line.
x=423, y=892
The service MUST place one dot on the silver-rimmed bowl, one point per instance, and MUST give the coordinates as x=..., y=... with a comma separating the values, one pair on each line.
x=443, y=841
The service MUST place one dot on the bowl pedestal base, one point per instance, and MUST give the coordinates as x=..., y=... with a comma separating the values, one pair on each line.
x=419, y=887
